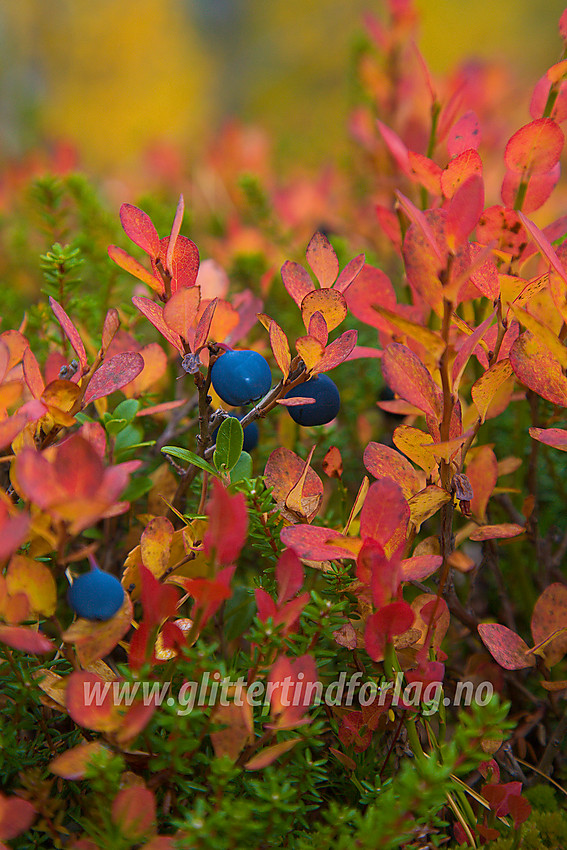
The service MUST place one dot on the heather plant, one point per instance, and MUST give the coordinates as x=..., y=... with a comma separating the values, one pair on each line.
x=322, y=641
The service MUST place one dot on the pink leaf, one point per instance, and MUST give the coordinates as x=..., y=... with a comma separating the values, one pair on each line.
x=114, y=374
x=70, y=331
x=464, y=135
x=296, y=280
x=349, y=273
x=393, y=619
x=406, y=375
x=175, y=228
x=505, y=646
x=204, y=325
x=385, y=514
x=139, y=228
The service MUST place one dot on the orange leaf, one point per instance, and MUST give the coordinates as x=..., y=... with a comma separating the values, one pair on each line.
x=330, y=303
x=497, y=532
x=129, y=264
x=482, y=472
x=280, y=347
x=383, y=462
x=463, y=166
x=154, y=313
x=270, y=754
x=155, y=545
x=181, y=310
x=134, y=812
x=73, y=764
x=536, y=147
x=239, y=728
x=90, y=703
x=16, y=816
x=485, y=388
x=32, y=374
x=536, y=367
x=310, y=350
x=549, y=616
x=406, y=375
x=26, y=640
x=322, y=259
x=94, y=640
x=35, y=580
x=296, y=281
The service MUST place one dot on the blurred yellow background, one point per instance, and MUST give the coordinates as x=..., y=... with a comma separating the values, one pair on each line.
x=113, y=76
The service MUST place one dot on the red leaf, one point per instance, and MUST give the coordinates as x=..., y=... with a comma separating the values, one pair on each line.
x=467, y=348
x=318, y=328
x=535, y=147
x=78, y=467
x=16, y=816
x=134, y=812
x=417, y=217
x=504, y=226
x=425, y=172
x=32, y=373
x=406, y=375
x=228, y=524
x=464, y=134
x=296, y=280
x=71, y=332
x=539, y=188
x=291, y=691
x=393, y=619
x=505, y=646
x=333, y=463
x=159, y=601
x=26, y=640
x=110, y=327
x=314, y=543
x=322, y=259
x=463, y=211
x=184, y=262
x=154, y=313
x=396, y=147
x=265, y=604
x=349, y=273
x=13, y=531
x=371, y=287
x=337, y=352
x=114, y=374
x=289, y=575
x=139, y=228
x=385, y=515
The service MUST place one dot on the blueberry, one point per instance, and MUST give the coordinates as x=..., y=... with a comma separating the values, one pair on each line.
x=327, y=401
x=239, y=377
x=96, y=595
x=251, y=434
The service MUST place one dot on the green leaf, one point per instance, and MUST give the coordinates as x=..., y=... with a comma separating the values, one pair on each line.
x=230, y=438
x=137, y=488
x=127, y=409
x=189, y=457
x=114, y=426
x=239, y=613
x=242, y=468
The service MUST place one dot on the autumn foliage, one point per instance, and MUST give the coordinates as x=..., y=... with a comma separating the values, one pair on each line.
x=385, y=545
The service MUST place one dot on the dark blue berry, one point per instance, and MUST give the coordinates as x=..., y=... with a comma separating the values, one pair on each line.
x=327, y=401
x=96, y=595
x=239, y=377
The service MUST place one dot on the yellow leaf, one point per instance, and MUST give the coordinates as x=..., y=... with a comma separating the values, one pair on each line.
x=33, y=578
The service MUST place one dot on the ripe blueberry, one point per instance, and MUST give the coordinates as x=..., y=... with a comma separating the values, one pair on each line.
x=96, y=595
x=327, y=401
x=239, y=377
x=251, y=434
